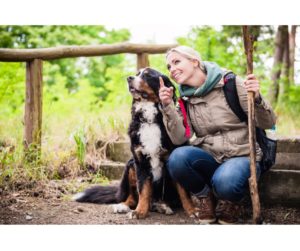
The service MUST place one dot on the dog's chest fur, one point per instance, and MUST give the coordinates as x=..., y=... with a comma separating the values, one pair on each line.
x=146, y=134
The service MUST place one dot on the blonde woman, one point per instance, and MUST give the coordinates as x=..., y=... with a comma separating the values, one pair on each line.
x=219, y=156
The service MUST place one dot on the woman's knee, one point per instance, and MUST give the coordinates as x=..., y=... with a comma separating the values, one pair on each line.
x=230, y=181
x=178, y=161
x=227, y=189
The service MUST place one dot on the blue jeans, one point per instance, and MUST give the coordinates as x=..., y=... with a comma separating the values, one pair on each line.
x=195, y=168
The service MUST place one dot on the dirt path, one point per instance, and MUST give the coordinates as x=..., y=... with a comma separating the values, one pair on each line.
x=35, y=206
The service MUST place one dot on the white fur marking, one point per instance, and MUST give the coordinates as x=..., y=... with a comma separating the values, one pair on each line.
x=150, y=136
x=162, y=208
x=78, y=196
x=148, y=109
x=120, y=208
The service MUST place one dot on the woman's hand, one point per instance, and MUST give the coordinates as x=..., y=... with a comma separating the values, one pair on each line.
x=165, y=93
x=252, y=84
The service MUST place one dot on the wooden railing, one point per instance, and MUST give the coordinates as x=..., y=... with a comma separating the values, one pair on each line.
x=34, y=76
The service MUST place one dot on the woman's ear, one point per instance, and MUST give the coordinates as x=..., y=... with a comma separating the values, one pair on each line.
x=196, y=63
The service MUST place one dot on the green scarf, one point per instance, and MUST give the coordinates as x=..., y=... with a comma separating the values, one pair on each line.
x=213, y=75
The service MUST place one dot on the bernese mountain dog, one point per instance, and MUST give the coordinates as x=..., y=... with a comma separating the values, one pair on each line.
x=146, y=184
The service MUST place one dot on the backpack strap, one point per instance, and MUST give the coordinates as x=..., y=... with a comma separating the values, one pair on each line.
x=231, y=96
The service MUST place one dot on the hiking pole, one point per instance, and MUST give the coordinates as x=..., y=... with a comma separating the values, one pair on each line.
x=248, y=45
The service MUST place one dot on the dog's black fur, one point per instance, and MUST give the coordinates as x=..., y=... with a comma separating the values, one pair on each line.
x=145, y=178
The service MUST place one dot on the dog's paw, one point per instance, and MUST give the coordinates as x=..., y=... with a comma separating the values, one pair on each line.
x=136, y=215
x=162, y=208
x=120, y=208
x=131, y=215
x=169, y=211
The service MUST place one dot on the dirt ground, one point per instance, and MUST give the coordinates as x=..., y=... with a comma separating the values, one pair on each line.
x=50, y=203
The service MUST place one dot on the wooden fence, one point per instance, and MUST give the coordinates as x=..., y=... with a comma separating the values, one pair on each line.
x=34, y=76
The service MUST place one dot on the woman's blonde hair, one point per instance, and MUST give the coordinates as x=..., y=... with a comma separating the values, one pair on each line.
x=187, y=52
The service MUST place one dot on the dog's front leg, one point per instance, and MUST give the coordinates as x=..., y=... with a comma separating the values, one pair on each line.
x=129, y=180
x=186, y=201
x=145, y=193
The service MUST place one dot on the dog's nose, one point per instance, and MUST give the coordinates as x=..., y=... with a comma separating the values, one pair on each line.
x=130, y=78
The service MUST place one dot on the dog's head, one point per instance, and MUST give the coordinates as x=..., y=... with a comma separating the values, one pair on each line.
x=145, y=85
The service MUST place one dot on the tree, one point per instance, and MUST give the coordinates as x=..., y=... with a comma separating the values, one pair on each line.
x=292, y=45
x=286, y=65
x=277, y=64
x=283, y=66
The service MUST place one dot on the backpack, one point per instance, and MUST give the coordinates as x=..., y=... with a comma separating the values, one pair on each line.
x=267, y=145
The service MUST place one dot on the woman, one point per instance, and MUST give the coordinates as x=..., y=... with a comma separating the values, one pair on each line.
x=219, y=156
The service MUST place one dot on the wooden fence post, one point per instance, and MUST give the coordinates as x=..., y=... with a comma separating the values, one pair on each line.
x=142, y=60
x=33, y=109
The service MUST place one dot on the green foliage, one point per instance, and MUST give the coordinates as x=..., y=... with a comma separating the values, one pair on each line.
x=7, y=158
x=94, y=69
x=80, y=140
x=216, y=46
x=12, y=87
x=99, y=178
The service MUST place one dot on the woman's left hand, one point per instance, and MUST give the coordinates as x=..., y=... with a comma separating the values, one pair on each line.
x=252, y=84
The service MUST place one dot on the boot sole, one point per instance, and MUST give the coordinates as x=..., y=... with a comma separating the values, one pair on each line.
x=221, y=222
x=206, y=221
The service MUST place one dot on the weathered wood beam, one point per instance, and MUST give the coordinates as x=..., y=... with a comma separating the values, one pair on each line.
x=17, y=55
x=142, y=60
x=33, y=108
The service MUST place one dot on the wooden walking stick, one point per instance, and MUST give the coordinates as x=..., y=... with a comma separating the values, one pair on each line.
x=248, y=44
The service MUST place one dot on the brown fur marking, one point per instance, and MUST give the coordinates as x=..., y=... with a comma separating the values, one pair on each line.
x=138, y=152
x=131, y=199
x=152, y=96
x=186, y=201
x=144, y=200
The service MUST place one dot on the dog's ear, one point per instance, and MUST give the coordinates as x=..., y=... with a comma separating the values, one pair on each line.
x=168, y=83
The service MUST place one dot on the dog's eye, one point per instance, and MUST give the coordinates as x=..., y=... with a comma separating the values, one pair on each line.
x=145, y=95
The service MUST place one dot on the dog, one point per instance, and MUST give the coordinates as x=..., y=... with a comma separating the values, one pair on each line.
x=146, y=184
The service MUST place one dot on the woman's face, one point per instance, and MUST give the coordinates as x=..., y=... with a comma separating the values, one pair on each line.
x=181, y=68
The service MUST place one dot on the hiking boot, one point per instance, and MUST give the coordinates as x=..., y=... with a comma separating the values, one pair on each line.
x=228, y=212
x=206, y=206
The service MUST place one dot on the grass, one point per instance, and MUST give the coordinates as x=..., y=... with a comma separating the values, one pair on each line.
x=65, y=144
x=288, y=120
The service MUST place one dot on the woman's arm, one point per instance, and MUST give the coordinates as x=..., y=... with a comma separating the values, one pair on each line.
x=173, y=122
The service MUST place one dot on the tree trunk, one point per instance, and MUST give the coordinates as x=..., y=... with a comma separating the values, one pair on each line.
x=276, y=71
x=292, y=39
x=284, y=87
